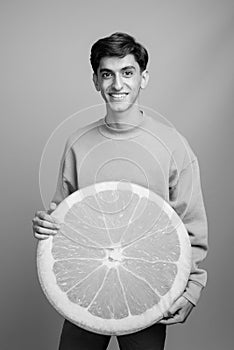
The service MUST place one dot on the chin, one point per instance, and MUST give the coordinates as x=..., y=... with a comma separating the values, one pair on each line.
x=119, y=108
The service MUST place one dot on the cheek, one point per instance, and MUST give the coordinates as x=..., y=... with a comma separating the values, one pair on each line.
x=135, y=84
x=135, y=87
x=105, y=85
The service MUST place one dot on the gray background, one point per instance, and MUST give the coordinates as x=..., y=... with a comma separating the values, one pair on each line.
x=46, y=76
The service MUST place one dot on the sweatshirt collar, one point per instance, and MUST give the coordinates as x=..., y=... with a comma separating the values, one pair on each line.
x=109, y=131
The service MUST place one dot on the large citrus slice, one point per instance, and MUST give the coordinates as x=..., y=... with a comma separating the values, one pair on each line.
x=119, y=261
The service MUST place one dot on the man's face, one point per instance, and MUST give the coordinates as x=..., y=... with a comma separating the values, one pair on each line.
x=119, y=80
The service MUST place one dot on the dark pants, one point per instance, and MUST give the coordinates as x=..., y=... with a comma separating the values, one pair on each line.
x=76, y=338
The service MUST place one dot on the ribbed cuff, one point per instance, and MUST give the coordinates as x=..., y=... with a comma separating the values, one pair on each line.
x=193, y=292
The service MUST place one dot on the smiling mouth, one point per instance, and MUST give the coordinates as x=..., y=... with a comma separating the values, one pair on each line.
x=118, y=96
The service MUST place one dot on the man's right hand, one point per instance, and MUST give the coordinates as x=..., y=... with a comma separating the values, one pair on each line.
x=44, y=225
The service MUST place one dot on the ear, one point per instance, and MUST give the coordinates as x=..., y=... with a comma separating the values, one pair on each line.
x=144, y=79
x=95, y=81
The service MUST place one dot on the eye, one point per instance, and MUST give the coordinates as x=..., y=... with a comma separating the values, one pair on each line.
x=106, y=75
x=128, y=73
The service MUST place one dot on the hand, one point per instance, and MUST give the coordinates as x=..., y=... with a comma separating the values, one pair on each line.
x=178, y=312
x=43, y=223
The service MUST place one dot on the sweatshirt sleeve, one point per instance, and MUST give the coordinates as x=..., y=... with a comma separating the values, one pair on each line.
x=67, y=177
x=187, y=200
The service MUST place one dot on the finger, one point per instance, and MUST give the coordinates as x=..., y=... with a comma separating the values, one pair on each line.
x=172, y=320
x=167, y=315
x=44, y=216
x=184, y=313
x=176, y=306
x=41, y=237
x=45, y=224
x=44, y=231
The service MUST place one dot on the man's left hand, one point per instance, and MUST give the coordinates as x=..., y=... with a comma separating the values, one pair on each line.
x=178, y=312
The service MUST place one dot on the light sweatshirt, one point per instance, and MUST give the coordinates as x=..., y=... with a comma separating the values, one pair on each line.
x=152, y=155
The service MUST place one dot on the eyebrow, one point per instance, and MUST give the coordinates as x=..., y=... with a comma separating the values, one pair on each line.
x=122, y=69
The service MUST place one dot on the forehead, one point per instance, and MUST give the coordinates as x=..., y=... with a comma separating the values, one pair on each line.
x=116, y=63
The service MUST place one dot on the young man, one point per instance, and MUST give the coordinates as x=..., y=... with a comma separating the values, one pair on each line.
x=129, y=145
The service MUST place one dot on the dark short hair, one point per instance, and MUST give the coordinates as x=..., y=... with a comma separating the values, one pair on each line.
x=119, y=45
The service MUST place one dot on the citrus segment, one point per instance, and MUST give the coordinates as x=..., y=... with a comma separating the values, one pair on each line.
x=139, y=294
x=64, y=248
x=87, y=215
x=119, y=261
x=84, y=292
x=143, y=219
x=70, y=233
x=70, y=272
x=160, y=245
x=96, y=234
x=106, y=304
x=159, y=275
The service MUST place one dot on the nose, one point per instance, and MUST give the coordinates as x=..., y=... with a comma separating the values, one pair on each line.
x=117, y=82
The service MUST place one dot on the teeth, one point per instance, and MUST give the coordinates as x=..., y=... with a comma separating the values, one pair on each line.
x=118, y=96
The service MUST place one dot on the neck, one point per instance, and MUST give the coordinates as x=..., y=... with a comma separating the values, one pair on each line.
x=124, y=120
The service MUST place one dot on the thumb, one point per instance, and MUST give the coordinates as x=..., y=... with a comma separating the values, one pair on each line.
x=176, y=306
x=52, y=207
